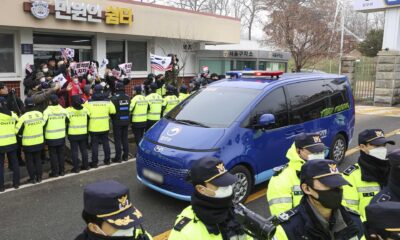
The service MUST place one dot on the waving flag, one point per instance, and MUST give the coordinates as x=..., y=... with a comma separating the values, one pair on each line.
x=68, y=53
x=160, y=63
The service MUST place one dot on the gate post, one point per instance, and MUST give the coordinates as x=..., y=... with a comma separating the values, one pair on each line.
x=387, y=84
x=348, y=68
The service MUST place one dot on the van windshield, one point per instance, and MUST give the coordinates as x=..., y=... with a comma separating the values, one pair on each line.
x=215, y=107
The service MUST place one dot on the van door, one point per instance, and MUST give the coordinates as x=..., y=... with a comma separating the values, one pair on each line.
x=269, y=146
x=308, y=102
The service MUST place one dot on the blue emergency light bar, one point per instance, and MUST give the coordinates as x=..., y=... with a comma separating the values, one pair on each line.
x=253, y=74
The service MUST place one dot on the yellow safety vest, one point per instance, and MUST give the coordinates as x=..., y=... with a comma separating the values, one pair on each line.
x=284, y=192
x=155, y=102
x=183, y=96
x=192, y=228
x=361, y=193
x=169, y=103
x=162, y=90
x=99, y=115
x=78, y=124
x=138, y=108
x=33, y=128
x=55, y=118
x=7, y=129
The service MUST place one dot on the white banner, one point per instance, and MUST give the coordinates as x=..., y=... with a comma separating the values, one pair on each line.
x=82, y=68
x=60, y=79
x=126, y=67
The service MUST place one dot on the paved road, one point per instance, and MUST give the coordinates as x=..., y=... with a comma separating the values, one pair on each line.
x=51, y=210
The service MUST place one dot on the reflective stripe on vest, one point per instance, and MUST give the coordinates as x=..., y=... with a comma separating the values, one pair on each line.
x=155, y=102
x=81, y=126
x=98, y=118
x=33, y=120
x=77, y=121
x=55, y=127
x=280, y=200
x=352, y=202
x=55, y=130
x=7, y=136
x=33, y=136
x=139, y=106
x=33, y=128
x=368, y=189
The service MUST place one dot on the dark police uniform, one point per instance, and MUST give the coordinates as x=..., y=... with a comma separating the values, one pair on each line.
x=120, y=122
x=392, y=191
x=305, y=222
x=110, y=201
x=383, y=219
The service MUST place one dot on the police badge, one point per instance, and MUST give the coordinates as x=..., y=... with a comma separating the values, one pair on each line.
x=40, y=9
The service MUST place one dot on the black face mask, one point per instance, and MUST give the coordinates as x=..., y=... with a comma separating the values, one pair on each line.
x=331, y=199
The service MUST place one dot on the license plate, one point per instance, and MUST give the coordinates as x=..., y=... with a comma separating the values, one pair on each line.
x=156, y=177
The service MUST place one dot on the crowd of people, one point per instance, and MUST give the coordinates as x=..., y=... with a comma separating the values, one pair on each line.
x=80, y=109
x=309, y=198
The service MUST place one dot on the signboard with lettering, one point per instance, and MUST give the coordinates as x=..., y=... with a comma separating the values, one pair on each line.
x=26, y=48
x=81, y=12
x=81, y=68
x=375, y=5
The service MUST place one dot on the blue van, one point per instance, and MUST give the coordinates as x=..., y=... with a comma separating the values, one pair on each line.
x=249, y=122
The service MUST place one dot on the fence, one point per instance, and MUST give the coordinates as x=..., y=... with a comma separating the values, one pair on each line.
x=364, y=80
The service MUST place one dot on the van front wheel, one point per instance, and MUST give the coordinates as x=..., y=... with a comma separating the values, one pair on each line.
x=337, y=152
x=242, y=187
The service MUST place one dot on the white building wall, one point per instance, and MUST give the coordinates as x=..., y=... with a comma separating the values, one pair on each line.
x=164, y=46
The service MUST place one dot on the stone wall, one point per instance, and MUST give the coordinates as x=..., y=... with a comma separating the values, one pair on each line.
x=387, y=85
x=348, y=68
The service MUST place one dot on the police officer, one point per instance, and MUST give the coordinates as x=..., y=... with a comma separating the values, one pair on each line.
x=109, y=213
x=155, y=106
x=320, y=214
x=210, y=215
x=55, y=127
x=183, y=93
x=170, y=100
x=284, y=192
x=120, y=122
x=138, y=109
x=383, y=221
x=8, y=143
x=14, y=104
x=161, y=89
x=391, y=192
x=78, y=118
x=30, y=126
x=100, y=110
x=149, y=80
x=370, y=174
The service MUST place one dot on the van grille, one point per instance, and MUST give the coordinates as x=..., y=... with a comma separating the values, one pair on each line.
x=163, y=168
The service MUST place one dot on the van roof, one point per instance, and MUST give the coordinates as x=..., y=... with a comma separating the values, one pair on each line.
x=262, y=82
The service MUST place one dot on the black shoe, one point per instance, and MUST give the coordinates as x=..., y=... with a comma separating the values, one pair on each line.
x=87, y=168
x=93, y=165
x=16, y=186
x=39, y=179
x=125, y=159
x=32, y=181
x=107, y=162
x=62, y=173
x=53, y=175
x=116, y=160
x=75, y=170
x=2, y=189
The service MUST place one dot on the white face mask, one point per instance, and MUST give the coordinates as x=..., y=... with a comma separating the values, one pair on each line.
x=76, y=80
x=89, y=77
x=124, y=233
x=42, y=79
x=224, y=192
x=379, y=152
x=110, y=74
x=103, y=84
x=315, y=156
x=45, y=70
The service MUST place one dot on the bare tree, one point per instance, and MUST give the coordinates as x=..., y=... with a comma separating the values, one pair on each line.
x=252, y=8
x=304, y=27
x=194, y=5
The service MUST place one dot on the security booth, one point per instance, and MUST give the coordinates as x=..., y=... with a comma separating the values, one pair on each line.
x=248, y=55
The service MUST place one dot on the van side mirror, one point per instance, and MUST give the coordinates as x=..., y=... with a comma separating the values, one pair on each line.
x=266, y=120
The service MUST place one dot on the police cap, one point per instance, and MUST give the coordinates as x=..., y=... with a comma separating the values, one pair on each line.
x=384, y=215
x=29, y=102
x=138, y=88
x=2, y=85
x=153, y=86
x=210, y=170
x=98, y=88
x=323, y=170
x=373, y=136
x=119, y=86
x=310, y=141
x=183, y=88
x=110, y=201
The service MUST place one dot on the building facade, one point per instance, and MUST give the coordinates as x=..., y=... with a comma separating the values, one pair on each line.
x=118, y=30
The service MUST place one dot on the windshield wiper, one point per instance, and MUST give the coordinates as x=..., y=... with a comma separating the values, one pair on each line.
x=170, y=118
x=190, y=122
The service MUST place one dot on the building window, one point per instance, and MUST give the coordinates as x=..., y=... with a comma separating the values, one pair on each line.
x=7, y=53
x=115, y=53
x=137, y=55
x=242, y=65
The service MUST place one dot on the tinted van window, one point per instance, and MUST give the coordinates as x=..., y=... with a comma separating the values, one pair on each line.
x=339, y=96
x=216, y=107
x=274, y=103
x=308, y=100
